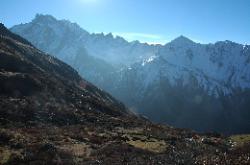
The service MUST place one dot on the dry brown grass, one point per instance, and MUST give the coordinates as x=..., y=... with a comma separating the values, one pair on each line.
x=153, y=145
x=6, y=154
x=78, y=150
x=240, y=140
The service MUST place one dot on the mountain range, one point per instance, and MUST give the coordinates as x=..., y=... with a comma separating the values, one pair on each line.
x=186, y=84
x=50, y=115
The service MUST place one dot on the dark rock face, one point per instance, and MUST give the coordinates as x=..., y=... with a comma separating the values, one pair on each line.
x=16, y=84
x=50, y=115
x=5, y=32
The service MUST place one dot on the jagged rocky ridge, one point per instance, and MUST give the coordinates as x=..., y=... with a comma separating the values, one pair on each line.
x=56, y=37
x=183, y=83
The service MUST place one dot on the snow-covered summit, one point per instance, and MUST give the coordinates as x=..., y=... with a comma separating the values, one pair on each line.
x=222, y=66
x=181, y=41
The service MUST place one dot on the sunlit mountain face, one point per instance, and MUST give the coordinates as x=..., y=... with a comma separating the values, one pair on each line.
x=183, y=83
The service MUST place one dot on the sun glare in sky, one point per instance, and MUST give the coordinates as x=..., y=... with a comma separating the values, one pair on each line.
x=88, y=1
x=151, y=21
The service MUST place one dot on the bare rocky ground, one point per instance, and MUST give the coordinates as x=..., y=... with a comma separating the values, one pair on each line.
x=50, y=115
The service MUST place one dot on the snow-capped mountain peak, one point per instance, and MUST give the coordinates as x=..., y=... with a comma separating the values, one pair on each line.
x=181, y=41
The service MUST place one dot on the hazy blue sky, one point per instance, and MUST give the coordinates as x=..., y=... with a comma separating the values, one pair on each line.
x=147, y=20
